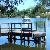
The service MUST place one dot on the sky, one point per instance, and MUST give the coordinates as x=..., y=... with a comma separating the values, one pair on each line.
x=27, y=4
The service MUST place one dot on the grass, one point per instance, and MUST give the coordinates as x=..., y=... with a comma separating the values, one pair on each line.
x=17, y=47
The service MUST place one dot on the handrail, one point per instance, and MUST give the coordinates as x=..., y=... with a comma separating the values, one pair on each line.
x=12, y=26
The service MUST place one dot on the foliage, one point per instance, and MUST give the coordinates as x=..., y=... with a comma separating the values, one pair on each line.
x=39, y=9
x=2, y=9
x=31, y=12
x=10, y=3
x=9, y=10
x=8, y=13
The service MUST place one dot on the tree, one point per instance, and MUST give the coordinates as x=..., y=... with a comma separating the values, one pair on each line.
x=10, y=3
x=9, y=9
x=38, y=10
x=2, y=10
x=8, y=13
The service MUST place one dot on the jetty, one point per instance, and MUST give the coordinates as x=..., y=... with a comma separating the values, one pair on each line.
x=14, y=31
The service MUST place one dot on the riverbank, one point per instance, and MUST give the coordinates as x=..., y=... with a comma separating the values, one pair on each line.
x=17, y=47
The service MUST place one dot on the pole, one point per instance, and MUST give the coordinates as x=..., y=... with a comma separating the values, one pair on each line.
x=0, y=30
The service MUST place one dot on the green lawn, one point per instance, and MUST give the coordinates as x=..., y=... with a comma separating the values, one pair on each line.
x=17, y=47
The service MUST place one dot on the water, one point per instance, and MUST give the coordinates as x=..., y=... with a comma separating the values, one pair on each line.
x=4, y=39
x=48, y=35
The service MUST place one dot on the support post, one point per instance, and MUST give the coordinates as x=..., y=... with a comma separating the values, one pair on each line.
x=44, y=27
x=28, y=39
x=14, y=38
x=14, y=25
x=36, y=25
x=21, y=38
x=0, y=29
x=11, y=34
x=24, y=40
